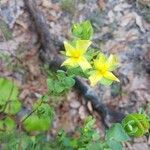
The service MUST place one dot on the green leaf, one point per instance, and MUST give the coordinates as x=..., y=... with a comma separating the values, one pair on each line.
x=94, y=146
x=89, y=122
x=116, y=132
x=73, y=72
x=35, y=123
x=43, y=110
x=106, y=82
x=114, y=145
x=58, y=87
x=96, y=136
x=68, y=82
x=91, y=53
x=7, y=124
x=82, y=30
x=60, y=83
x=41, y=119
x=9, y=97
x=136, y=124
x=50, y=84
x=8, y=90
x=61, y=74
x=12, y=107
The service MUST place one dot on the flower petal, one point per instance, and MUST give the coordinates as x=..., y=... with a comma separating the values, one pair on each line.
x=112, y=62
x=95, y=77
x=69, y=49
x=83, y=45
x=84, y=64
x=70, y=62
x=110, y=76
x=102, y=58
x=100, y=62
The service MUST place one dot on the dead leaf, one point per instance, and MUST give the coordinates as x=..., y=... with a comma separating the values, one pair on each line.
x=46, y=3
x=89, y=106
x=139, y=84
x=75, y=104
x=10, y=11
x=125, y=20
x=101, y=4
x=111, y=16
x=146, y=25
x=114, y=47
x=66, y=123
x=51, y=18
x=24, y=93
x=140, y=146
x=144, y=2
x=132, y=35
x=82, y=112
x=124, y=36
x=121, y=7
x=22, y=24
x=139, y=22
x=5, y=48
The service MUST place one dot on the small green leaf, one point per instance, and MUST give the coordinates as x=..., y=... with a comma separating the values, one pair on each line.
x=7, y=124
x=106, y=82
x=9, y=97
x=60, y=83
x=73, y=72
x=96, y=136
x=91, y=53
x=43, y=110
x=12, y=107
x=82, y=30
x=117, y=133
x=35, y=123
x=114, y=145
x=8, y=90
x=41, y=119
x=136, y=124
x=68, y=82
x=50, y=84
x=94, y=146
x=59, y=88
x=89, y=122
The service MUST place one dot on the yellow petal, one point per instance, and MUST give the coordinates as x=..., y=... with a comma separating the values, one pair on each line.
x=70, y=62
x=110, y=76
x=95, y=77
x=102, y=58
x=69, y=49
x=83, y=45
x=100, y=62
x=112, y=62
x=84, y=64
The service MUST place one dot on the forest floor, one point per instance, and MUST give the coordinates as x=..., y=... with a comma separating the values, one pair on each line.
x=121, y=27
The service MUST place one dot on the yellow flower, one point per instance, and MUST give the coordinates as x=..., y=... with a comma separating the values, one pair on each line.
x=102, y=70
x=76, y=54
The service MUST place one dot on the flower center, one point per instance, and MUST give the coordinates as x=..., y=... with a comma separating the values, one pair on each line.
x=76, y=54
x=103, y=69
